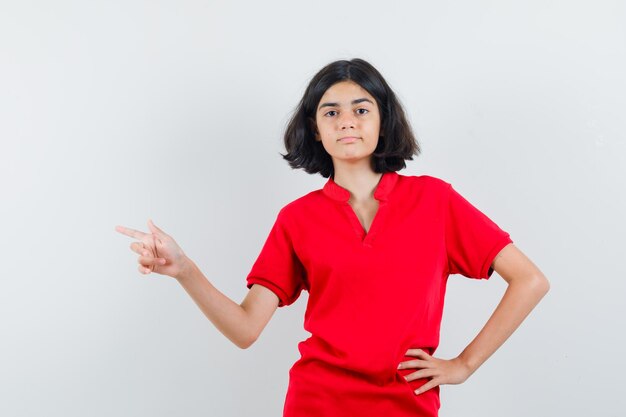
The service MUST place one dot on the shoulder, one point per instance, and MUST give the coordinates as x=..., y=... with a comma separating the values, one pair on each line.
x=301, y=205
x=428, y=183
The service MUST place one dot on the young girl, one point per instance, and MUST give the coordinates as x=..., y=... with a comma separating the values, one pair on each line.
x=374, y=249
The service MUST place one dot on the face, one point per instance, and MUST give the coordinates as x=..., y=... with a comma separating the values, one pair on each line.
x=348, y=122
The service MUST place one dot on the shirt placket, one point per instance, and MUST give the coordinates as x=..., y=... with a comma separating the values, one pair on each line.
x=366, y=238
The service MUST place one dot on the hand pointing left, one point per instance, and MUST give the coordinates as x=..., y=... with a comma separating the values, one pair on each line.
x=159, y=251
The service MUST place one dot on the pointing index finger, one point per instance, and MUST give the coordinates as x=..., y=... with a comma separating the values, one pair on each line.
x=130, y=232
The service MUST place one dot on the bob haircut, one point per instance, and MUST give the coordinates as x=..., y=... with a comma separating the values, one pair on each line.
x=396, y=142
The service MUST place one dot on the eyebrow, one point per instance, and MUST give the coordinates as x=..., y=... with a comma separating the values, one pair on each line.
x=357, y=101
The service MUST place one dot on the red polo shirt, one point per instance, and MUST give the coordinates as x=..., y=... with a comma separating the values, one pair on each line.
x=372, y=296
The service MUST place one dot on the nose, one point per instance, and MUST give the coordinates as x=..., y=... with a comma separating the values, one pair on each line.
x=346, y=121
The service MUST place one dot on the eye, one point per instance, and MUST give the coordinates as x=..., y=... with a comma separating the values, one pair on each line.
x=364, y=111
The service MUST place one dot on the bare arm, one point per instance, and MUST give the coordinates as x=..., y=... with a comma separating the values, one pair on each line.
x=240, y=323
x=526, y=287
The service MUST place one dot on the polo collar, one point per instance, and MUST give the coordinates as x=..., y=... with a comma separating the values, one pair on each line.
x=382, y=191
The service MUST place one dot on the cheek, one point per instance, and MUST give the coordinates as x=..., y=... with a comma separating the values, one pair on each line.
x=374, y=128
x=374, y=121
x=320, y=127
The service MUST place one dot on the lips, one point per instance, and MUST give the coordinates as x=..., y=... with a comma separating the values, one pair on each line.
x=348, y=139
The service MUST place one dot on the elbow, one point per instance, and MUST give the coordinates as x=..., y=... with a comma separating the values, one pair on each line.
x=535, y=285
x=540, y=285
x=246, y=342
x=243, y=345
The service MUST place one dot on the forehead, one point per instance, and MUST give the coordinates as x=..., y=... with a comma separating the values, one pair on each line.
x=345, y=91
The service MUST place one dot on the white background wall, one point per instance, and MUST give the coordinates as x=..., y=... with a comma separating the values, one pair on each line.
x=113, y=112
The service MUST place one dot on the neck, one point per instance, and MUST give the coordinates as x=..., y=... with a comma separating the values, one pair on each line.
x=360, y=180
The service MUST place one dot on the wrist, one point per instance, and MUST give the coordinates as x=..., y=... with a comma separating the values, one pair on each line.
x=467, y=363
x=186, y=269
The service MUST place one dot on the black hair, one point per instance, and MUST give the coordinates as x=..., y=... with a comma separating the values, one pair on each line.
x=396, y=143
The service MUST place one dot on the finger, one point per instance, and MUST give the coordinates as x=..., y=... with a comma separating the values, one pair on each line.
x=418, y=363
x=130, y=232
x=430, y=384
x=422, y=373
x=418, y=353
x=141, y=248
x=148, y=260
x=138, y=247
x=144, y=270
x=155, y=229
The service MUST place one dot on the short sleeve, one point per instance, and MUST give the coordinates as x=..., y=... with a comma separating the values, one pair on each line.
x=472, y=239
x=277, y=267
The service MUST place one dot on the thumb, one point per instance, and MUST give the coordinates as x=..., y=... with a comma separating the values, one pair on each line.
x=155, y=229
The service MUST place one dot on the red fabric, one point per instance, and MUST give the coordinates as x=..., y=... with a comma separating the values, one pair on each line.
x=372, y=296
